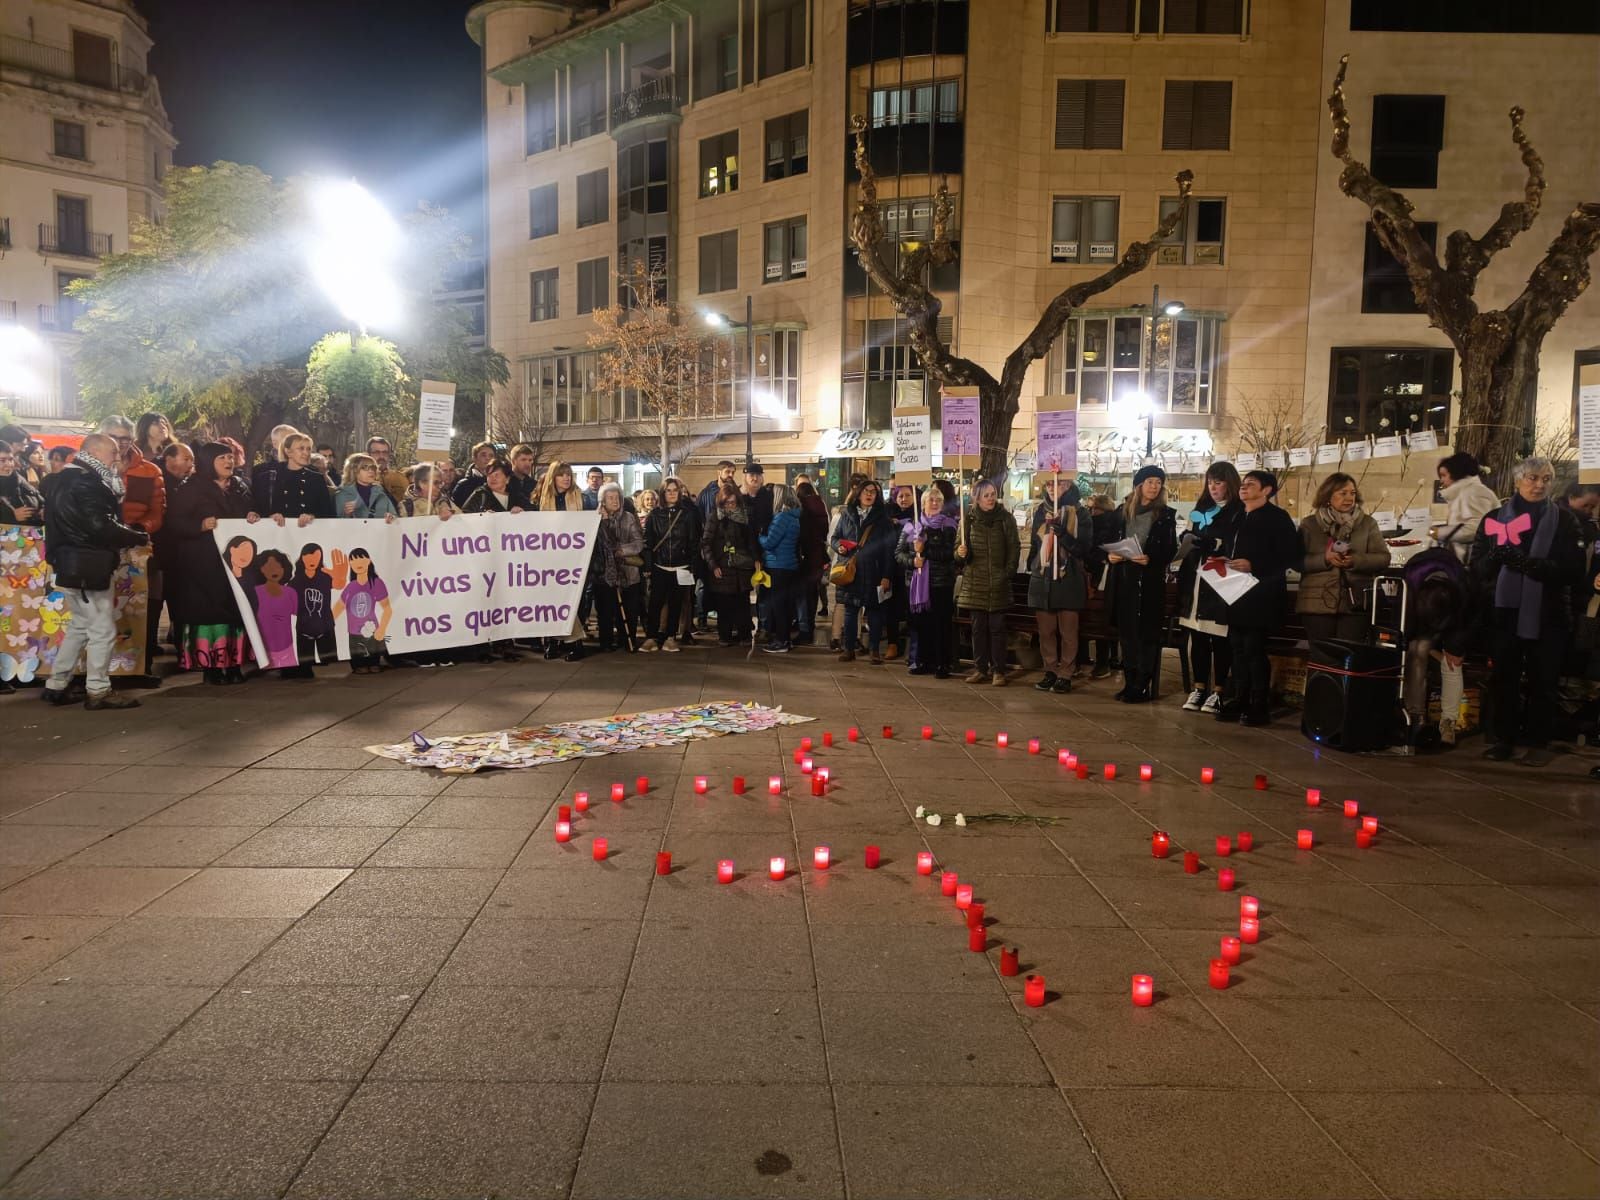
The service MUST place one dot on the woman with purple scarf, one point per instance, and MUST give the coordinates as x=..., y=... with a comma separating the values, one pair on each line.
x=1530, y=552
x=927, y=551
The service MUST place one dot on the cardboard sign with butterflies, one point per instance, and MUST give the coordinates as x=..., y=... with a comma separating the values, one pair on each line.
x=33, y=616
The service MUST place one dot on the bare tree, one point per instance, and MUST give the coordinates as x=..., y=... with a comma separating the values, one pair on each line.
x=907, y=288
x=652, y=347
x=511, y=421
x=1499, y=348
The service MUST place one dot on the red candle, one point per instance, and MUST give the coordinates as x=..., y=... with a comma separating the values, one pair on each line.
x=1033, y=991
x=1313, y=797
x=1261, y=783
x=853, y=734
x=924, y=862
x=817, y=787
x=1352, y=809
x=580, y=802
x=1207, y=775
x=701, y=784
x=1144, y=991
x=601, y=846
x=1225, y=879
x=1250, y=930
x=974, y=915
x=1369, y=825
x=618, y=792
x=972, y=736
x=824, y=774
x=1247, y=841
x=1230, y=951
x=1146, y=772
x=777, y=868
x=805, y=743
x=564, y=812
x=947, y=883
x=664, y=862
x=1249, y=906
x=641, y=785
x=1008, y=961
x=774, y=784
x=888, y=731
x=798, y=756
x=963, y=896
x=1218, y=974
x=1062, y=755
x=1160, y=844
x=820, y=857
x=1191, y=863
x=827, y=738
x=927, y=733
x=1072, y=761
x=1033, y=745
x=1363, y=840
x=1302, y=839
x=1110, y=770
x=724, y=870
x=872, y=858
x=1081, y=770
x=1224, y=847
x=738, y=785
x=1002, y=739
x=978, y=940
x=807, y=765
x=563, y=831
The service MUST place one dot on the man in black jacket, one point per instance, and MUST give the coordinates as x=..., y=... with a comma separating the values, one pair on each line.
x=83, y=543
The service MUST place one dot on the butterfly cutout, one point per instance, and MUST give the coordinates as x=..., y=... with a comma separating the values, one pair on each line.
x=32, y=601
x=22, y=670
x=54, y=622
x=1508, y=532
x=29, y=626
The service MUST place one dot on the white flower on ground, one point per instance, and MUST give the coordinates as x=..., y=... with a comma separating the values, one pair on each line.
x=920, y=812
x=961, y=820
x=934, y=818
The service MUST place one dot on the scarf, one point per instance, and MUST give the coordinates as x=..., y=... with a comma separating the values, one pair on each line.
x=1144, y=519
x=1338, y=525
x=1513, y=589
x=108, y=475
x=921, y=593
x=1199, y=519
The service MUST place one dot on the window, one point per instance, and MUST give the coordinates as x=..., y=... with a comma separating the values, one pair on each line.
x=1382, y=390
x=1091, y=16
x=69, y=140
x=783, y=36
x=719, y=262
x=1475, y=16
x=542, y=211
x=1083, y=229
x=539, y=116
x=642, y=179
x=560, y=389
x=594, y=202
x=594, y=284
x=1407, y=135
x=719, y=164
x=1197, y=114
x=1099, y=358
x=788, y=140
x=1384, y=285
x=878, y=32
x=542, y=286
x=882, y=371
x=93, y=60
x=72, y=225
x=1089, y=114
x=922, y=104
x=652, y=251
x=716, y=50
x=785, y=243
x=587, y=107
x=1197, y=241
x=1191, y=16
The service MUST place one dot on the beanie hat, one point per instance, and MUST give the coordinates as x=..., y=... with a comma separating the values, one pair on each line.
x=1150, y=471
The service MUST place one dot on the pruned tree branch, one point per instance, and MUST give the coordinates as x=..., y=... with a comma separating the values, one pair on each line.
x=1469, y=255
x=1561, y=276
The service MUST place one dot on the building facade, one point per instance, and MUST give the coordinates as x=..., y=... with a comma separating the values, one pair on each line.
x=84, y=143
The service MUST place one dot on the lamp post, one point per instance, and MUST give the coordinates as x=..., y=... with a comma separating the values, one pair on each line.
x=1171, y=309
x=717, y=321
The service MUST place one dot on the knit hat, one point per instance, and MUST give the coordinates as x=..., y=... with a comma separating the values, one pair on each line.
x=1149, y=471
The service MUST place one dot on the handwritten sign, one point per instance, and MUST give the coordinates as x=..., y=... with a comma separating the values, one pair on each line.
x=1589, y=423
x=1423, y=439
x=1056, y=433
x=1300, y=456
x=1247, y=462
x=1328, y=454
x=1386, y=447
x=1417, y=518
x=1359, y=450
x=1273, y=460
x=436, y=419
x=1385, y=519
x=913, y=446
x=960, y=428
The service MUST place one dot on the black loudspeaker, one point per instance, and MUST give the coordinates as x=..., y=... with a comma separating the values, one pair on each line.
x=1351, y=690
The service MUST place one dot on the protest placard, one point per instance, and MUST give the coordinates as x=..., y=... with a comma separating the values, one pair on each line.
x=1056, y=434
x=436, y=418
x=913, y=446
x=960, y=428
x=1589, y=423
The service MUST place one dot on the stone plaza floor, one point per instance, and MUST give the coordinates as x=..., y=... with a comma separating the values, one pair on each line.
x=240, y=956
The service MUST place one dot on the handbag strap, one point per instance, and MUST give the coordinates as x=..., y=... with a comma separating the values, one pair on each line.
x=668, y=533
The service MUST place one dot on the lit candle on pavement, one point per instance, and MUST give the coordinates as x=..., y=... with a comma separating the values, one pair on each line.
x=807, y=765
x=853, y=734
x=1246, y=840
x=1009, y=965
x=978, y=940
x=1033, y=745
x=1363, y=840
x=1146, y=772
x=601, y=848
x=664, y=862
x=924, y=862
x=817, y=786
x=1207, y=775
x=947, y=883
x=974, y=915
x=1062, y=755
x=1072, y=761
x=827, y=738
x=1033, y=991
x=1230, y=951
x=824, y=774
x=1218, y=975
x=618, y=792
x=1250, y=930
x=738, y=785
x=774, y=784
x=1160, y=844
x=641, y=785
x=563, y=831
x=963, y=896
x=927, y=733
x=564, y=812
x=1144, y=991
x=724, y=870
x=580, y=802
x=820, y=857
x=888, y=731
x=1081, y=770
x=872, y=858
x=1302, y=839
x=1249, y=906
x=1224, y=847
x=1313, y=797
x=1369, y=824
x=1110, y=770
x=1002, y=739
x=777, y=868
x=701, y=784
x=1225, y=879
x=1191, y=863
x=1352, y=809
x=972, y=736
x=805, y=743
x=1261, y=783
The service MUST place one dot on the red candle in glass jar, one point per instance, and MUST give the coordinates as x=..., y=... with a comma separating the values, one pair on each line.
x=1363, y=840
x=601, y=848
x=724, y=870
x=1081, y=770
x=1261, y=783
x=777, y=868
x=816, y=785
x=888, y=731
x=1230, y=951
x=1302, y=839
x=1249, y=906
x=738, y=785
x=927, y=733
x=580, y=802
x=1110, y=770
x=805, y=743
x=807, y=765
x=563, y=812
x=664, y=862
x=972, y=736
x=1146, y=772
x=1144, y=991
x=824, y=774
x=1250, y=930
x=1072, y=761
x=1313, y=797
x=1002, y=739
x=618, y=792
x=1033, y=991
x=1160, y=844
x=974, y=915
x=1225, y=879
x=963, y=896
x=641, y=785
x=1224, y=847
x=799, y=755
x=978, y=940
x=1033, y=745
x=1246, y=840
x=924, y=862
x=1369, y=825
x=827, y=739
x=872, y=858
x=947, y=883
x=821, y=856
x=701, y=785
x=1009, y=965
x=563, y=831
x=853, y=734
x=1218, y=975
x=774, y=784
x=1062, y=755
x=1191, y=863
x=1207, y=775
x=1352, y=809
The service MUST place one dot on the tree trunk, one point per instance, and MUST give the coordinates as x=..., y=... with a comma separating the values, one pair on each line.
x=998, y=408
x=1497, y=390
x=666, y=449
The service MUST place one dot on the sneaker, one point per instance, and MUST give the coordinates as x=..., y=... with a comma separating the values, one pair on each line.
x=1062, y=686
x=975, y=676
x=1213, y=704
x=998, y=679
x=574, y=652
x=98, y=700
x=1099, y=671
x=668, y=646
x=847, y=656
x=1447, y=732
x=1045, y=684
x=1196, y=700
x=650, y=646
x=552, y=651
x=775, y=648
x=1229, y=710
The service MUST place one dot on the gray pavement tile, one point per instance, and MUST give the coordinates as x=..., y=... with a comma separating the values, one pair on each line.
x=678, y=954
x=396, y=952
x=1280, y=964
x=1472, y=1146
x=1042, y=900
x=420, y=847
x=55, y=1033
x=691, y=894
x=158, y=781
x=1483, y=911
x=40, y=845
x=849, y=894
x=932, y=1141
x=246, y=1034
x=112, y=810
x=34, y=1113
x=1522, y=1045
x=161, y=846
x=979, y=1040
x=1233, y=1145
x=1576, y=1115
x=454, y=810
x=1317, y=910
x=613, y=890
x=175, y=1141
x=1395, y=967
x=443, y=1141
x=409, y=892
x=271, y=781
x=1565, y=967
x=742, y=1140
x=29, y=944
x=170, y=951
x=1169, y=899
x=249, y=892
x=1580, y=905
x=717, y=1035
x=909, y=960
x=974, y=852
x=223, y=808
x=341, y=808
x=551, y=1035
x=307, y=846
x=552, y=953
x=301, y=757
x=708, y=816
x=90, y=891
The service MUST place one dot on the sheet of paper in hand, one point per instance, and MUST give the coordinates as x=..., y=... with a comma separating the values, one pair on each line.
x=1229, y=586
x=1127, y=547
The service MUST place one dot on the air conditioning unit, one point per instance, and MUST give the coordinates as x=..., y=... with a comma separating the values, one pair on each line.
x=1064, y=251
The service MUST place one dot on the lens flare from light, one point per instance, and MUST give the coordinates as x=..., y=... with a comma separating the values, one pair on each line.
x=26, y=364
x=352, y=253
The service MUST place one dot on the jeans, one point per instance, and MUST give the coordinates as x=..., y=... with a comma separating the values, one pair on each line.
x=733, y=614
x=1205, y=652
x=780, y=605
x=852, y=614
x=1540, y=661
x=1451, y=683
x=989, y=641
x=805, y=604
x=935, y=629
x=92, y=633
x=667, y=597
x=1058, y=639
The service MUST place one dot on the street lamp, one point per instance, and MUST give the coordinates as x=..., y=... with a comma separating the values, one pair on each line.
x=26, y=364
x=717, y=321
x=1147, y=394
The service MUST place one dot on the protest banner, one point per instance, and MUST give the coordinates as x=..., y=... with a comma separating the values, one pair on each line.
x=405, y=586
x=33, y=611
x=960, y=428
x=913, y=446
x=1056, y=434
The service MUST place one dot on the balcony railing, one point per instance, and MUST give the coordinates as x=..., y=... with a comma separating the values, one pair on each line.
x=5, y=233
x=8, y=310
x=60, y=318
x=652, y=99
x=57, y=62
x=79, y=244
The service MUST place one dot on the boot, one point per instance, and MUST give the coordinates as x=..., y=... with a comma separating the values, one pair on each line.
x=213, y=675
x=99, y=700
x=1256, y=712
x=1232, y=706
x=1046, y=683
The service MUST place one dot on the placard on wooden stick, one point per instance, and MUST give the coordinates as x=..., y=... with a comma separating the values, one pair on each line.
x=961, y=428
x=913, y=446
x=436, y=418
x=1056, y=437
x=1589, y=423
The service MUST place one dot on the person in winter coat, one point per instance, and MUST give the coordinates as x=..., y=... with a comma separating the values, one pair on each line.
x=472, y=479
x=144, y=498
x=809, y=588
x=293, y=490
x=865, y=536
x=494, y=495
x=1106, y=520
x=900, y=503
x=1136, y=591
x=1200, y=610
x=20, y=501
x=1058, y=581
x=988, y=551
x=927, y=553
x=672, y=547
x=213, y=633
x=427, y=496
x=618, y=590
x=1469, y=500
x=1264, y=543
x=731, y=553
x=707, y=499
x=559, y=492
x=1441, y=627
x=1341, y=550
x=836, y=620
x=780, y=553
x=1528, y=553
x=362, y=494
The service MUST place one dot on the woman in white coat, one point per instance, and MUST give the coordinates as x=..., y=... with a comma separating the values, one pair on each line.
x=1469, y=500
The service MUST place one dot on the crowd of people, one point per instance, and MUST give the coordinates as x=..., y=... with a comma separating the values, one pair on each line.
x=891, y=574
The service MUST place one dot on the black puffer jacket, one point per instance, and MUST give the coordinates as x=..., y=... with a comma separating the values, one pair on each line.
x=80, y=521
x=1137, y=592
x=938, y=551
x=672, y=535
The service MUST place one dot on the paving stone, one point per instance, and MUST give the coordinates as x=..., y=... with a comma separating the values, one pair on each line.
x=510, y=952
x=717, y=1035
x=40, y=845
x=907, y=960
x=1575, y=1114
x=34, y=1113
x=307, y=846
x=161, y=846
x=90, y=891
x=57, y=1033
x=979, y=1040
x=773, y=957
x=397, y=952
x=252, y=810
x=249, y=892
x=422, y=847
x=339, y=808
x=29, y=944
x=603, y=891
x=170, y=951
x=409, y=892
x=1521, y=1045
x=110, y=810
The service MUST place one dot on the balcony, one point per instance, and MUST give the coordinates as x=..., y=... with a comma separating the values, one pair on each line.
x=57, y=63
x=8, y=311
x=75, y=243
x=61, y=317
x=657, y=98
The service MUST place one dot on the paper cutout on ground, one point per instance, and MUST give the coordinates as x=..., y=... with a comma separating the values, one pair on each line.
x=536, y=745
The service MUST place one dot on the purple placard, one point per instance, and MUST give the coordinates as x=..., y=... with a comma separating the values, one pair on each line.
x=1057, y=435
x=960, y=433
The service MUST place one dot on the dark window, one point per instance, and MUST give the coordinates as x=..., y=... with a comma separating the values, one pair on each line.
x=594, y=199
x=1196, y=115
x=594, y=284
x=93, y=61
x=642, y=179
x=1089, y=114
x=1384, y=286
x=785, y=250
x=719, y=164
x=72, y=225
x=542, y=211
x=890, y=29
x=539, y=115
x=542, y=288
x=788, y=144
x=1197, y=241
x=588, y=104
x=719, y=262
x=1091, y=16
x=716, y=51
x=1083, y=229
x=783, y=36
x=1407, y=135
x=920, y=104
x=1384, y=390
x=1475, y=16
x=70, y=141
x=1191, y=16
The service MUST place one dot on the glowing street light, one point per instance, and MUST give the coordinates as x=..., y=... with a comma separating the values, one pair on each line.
x=352, y=253
x=717, y=321
x=26, y=364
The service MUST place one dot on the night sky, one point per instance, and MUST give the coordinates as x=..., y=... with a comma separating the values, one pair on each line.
x=388, y=92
